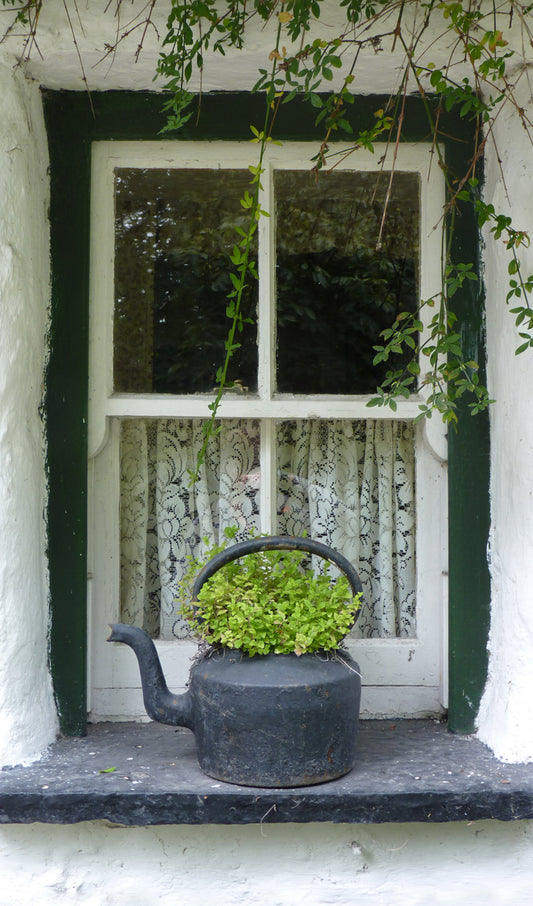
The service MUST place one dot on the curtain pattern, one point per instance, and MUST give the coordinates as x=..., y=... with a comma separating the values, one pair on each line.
x=347, y=483
x=350, y=484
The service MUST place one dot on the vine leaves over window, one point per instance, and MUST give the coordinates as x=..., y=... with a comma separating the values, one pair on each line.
x=313, y=59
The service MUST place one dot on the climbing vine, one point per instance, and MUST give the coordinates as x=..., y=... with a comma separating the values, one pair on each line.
x=456, y=55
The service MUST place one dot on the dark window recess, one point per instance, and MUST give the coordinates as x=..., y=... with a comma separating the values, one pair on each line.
x=190, y=326
x=174, y=233
x=331, y=311
x=346, y=266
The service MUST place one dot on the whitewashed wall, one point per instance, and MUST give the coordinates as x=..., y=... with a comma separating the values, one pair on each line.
x=506, y=714
x=481, y=864
x=27, y=714
x=96, y=864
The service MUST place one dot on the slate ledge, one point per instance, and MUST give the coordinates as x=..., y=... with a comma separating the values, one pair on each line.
x=143, y=774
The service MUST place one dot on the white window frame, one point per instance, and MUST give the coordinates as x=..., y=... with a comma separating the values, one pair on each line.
x=401, y=677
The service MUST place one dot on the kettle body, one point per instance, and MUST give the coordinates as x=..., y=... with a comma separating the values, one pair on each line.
x=274, y=720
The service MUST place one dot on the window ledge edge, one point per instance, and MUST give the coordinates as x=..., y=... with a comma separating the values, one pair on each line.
x=141, y=774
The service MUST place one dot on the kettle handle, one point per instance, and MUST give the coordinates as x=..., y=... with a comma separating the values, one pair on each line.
x=277, y=542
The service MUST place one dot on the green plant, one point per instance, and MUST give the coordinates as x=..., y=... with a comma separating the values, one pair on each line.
x=269, y=602
x=461, y=56
x=301, y=66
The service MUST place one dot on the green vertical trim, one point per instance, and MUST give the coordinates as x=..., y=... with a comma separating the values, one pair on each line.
x=469, y=506
x=129, y=116
x=469, y=581
x=66, y=409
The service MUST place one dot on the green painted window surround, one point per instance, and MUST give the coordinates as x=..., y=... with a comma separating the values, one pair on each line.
x=72, y=128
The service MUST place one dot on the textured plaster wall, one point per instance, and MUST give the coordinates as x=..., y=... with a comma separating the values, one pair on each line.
x=58, y=66
x=506, y=714
x=482, y=863
x=27, y=714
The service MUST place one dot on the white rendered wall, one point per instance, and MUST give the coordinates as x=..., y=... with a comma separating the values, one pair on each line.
x=483, y=863
x=506, y=714
x=27, y=713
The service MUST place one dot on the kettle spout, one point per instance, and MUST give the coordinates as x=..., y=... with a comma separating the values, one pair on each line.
x=160, y=703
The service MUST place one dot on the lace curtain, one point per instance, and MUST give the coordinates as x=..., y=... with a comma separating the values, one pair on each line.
x=347, y=483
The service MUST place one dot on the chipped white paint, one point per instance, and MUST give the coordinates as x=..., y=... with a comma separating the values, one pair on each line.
x=27, y=714
x=481, y=864
x=58, y=66
x=506, y=714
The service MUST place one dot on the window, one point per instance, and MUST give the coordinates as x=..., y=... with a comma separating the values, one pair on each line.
x=298, y=450
x=134, y=116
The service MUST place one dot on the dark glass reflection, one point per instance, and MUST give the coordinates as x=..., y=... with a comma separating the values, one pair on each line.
x=174, y=232
x=338, y=282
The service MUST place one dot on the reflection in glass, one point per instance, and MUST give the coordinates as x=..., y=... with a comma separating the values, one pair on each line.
x=174, y=231
x=339, y=283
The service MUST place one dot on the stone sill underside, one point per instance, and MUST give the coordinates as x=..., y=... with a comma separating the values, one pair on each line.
x=142, y=774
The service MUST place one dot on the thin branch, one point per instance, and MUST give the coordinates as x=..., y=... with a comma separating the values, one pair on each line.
x=399, y=125
x=82, y=67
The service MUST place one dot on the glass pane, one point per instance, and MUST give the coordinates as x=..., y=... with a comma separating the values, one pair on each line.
x=351, y=484
x=174, y=230
x=163, y=520
x=338, y=283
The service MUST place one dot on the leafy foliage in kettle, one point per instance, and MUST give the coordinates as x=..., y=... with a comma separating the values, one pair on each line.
x=269, y=603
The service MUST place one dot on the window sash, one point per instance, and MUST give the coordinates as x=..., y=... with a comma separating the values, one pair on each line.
x=392, y=668
x=104, y=403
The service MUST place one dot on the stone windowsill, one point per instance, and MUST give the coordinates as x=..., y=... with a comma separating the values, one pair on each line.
x=406, y=771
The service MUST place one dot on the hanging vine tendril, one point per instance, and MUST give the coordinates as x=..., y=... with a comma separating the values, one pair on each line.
x=464, y=67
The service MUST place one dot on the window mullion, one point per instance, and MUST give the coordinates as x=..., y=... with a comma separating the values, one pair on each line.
x=267, y=353
x=266, y=299
x=267, y=492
